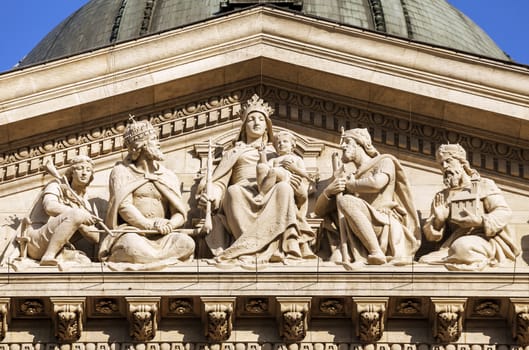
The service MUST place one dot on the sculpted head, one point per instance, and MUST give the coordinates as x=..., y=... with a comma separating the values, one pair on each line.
x=256, y=121
x=81, y=171
x=456, y=169
x=142, y=139
x=354, y=142
x=284, y=142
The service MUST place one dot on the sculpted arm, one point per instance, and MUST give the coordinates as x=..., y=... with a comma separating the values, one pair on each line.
x=51, y=200
x=371, y=184
x=132, y=215
x=497, y=214
x=297, y=167
x=375, y=181
x=434, y=226
x=214, y=194
x=326, y=202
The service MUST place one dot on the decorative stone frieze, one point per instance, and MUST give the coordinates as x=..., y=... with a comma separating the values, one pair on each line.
x=389, y=128
x=143, y=317
x=180, y=306
x=241, y=345
x=486, y=308
x=293, y=316
x=408, y=307
x=519, y=320
x=217, y=317
x=106, y=307
x=369, y=317
x=104, y=139
x=448, y=316
x=332, y=306
x=4, y=316
x=68, y=318
x=256, y=306
x=30, y=308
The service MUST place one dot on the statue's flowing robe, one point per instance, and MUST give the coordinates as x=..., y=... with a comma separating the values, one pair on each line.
x=391, y=210
x=474, y=248
x=125, y=178
x=253, y=226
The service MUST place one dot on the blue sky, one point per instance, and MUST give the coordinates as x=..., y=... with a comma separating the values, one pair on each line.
x=25, y=22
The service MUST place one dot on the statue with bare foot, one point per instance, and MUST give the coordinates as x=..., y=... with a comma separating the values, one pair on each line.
x=58, y=214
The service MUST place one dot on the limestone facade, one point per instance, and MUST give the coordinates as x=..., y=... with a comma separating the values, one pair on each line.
x=190, y=84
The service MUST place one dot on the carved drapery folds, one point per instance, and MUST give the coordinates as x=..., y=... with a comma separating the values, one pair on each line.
x=519, y=318
x=68, y=318
x=369, y=317
x=293, y=318
x=448, y=317
x=217, y=317
x=143, y=317
x=4, y=316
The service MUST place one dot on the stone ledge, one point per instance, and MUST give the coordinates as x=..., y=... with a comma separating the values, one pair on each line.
x=311, y=278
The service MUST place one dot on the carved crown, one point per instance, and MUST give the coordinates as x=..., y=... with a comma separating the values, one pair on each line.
x=135, y=131
x=256, y=104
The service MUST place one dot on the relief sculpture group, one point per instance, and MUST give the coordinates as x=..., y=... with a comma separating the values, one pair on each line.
x=258, y=195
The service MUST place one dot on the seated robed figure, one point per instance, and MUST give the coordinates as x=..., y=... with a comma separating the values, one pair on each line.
x=252, y=225
x=469, y=216
x=371, y=207
x=145, y=206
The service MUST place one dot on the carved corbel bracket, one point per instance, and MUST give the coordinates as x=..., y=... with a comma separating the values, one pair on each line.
x=4, y=316
x=293, y=315
x=519, y=319
x=369, y=317
x=448, y=317
x=68, y=318
x=143, y=317
x=217, y=317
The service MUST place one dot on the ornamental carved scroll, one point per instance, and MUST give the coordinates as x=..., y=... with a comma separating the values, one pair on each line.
x=370, y=318
x=143, y=318
x=293, y=318
x=4, y=317
x=217, y=317
x=68, y=317
x=520, y=320
x=448, y=317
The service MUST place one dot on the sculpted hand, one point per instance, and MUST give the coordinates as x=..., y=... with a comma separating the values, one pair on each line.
x=335, y=187
x=163, y=226
x=87, y=218
x=440, y=208
x=295, y=182
x=287, y=164
x=203, y=200
x=468, y=220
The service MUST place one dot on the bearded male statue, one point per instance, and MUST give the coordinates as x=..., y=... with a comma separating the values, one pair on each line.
x=145, y=207
x=471, y=214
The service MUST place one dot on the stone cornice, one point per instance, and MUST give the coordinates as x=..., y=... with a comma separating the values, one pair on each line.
x=388, y=62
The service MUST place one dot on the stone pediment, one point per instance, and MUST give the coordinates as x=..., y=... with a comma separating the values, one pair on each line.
x=316, y=84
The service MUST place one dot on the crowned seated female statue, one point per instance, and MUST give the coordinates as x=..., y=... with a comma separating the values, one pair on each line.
x=250, y=226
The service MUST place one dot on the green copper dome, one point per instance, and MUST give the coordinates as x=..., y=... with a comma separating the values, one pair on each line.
x=104, y=22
